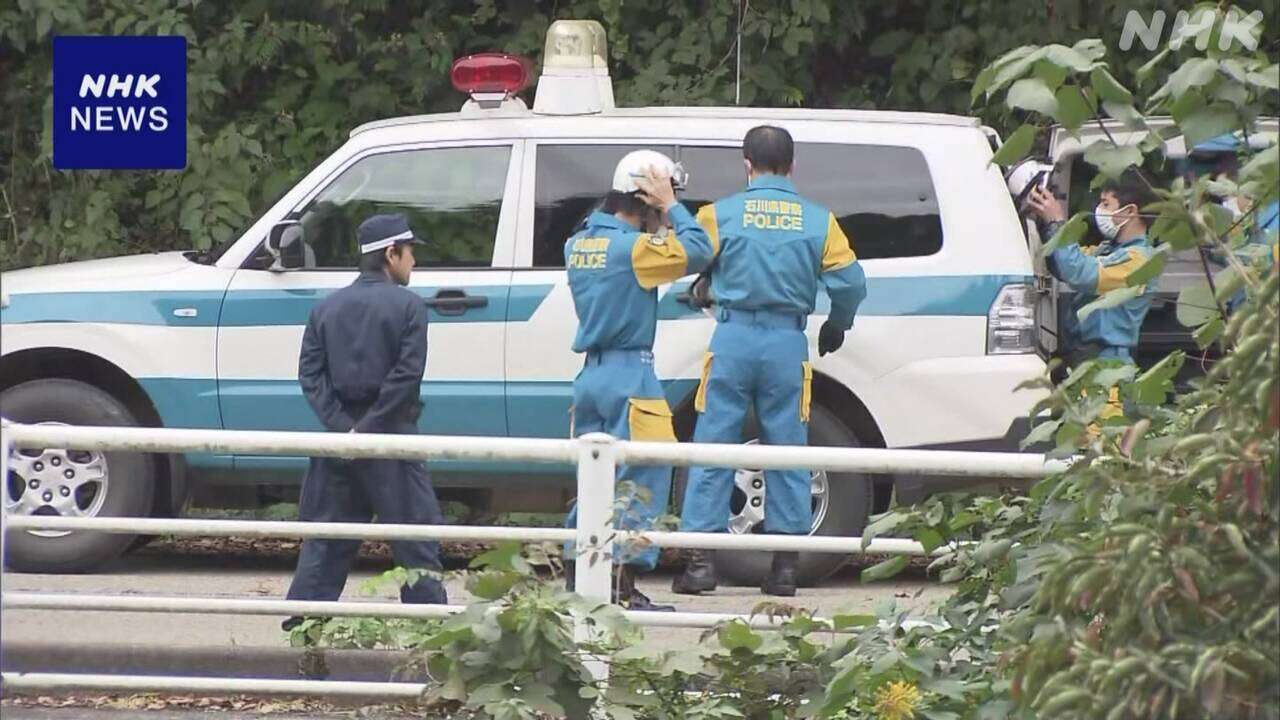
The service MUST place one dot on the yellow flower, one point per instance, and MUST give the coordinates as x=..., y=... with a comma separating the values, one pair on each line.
x=897, y=701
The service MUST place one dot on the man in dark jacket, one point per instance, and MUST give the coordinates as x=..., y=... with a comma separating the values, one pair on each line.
x=364, y=353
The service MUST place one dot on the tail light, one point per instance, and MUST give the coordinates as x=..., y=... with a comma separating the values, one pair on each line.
x=1011, y=322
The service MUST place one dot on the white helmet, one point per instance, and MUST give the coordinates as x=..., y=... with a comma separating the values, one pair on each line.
x=635, y=163
x=1022, y=177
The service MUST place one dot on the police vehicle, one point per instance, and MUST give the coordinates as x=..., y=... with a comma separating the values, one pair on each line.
x=1064, y=171
x=211, y=340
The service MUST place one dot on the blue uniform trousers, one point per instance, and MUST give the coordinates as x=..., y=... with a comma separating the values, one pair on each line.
x=617, y=393
x=337, y=490
x=756, y=358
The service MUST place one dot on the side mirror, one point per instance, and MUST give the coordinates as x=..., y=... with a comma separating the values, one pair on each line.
x=287, y=245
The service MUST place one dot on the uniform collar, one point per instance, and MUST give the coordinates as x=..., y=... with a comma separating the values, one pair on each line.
x=771, y=182
x=1136, y=240
x=599, y=218
x=373, y=276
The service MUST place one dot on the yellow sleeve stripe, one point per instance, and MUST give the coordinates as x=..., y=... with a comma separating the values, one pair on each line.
x=1112, y=277
x=836, y=252
x=658, y=260
x=707, y=219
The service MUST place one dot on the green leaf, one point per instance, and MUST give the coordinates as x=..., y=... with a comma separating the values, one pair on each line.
x=1209, y=122
x=1007, y=72
x=736, y=634
x=992, y=550
x=1040, y=433
x=1227, y=283
x=491, y=585
x=1185, y=105
x=928, y=537
x=1192, y=74
x=1126, y=114
x=1143, y=74
x=1268, y=78
x=1051, y=74
x=1207, y=334
x=885, y=569
x=981, y=83
x=1262, y=166
x=1112, y=376
x=1032, y=94
x=1151, y=386
x=1111, y=299
x=1112, y=160
x=1108, y=88
x=1091, y=48
x=844, y=621
x=1016, y=146
x=1068, y=58
x=1174, y=231
x=881, y=525
x=1196, y=305
x=1148, y=270
x=1073, y=110
x=1069, y=234
x=502, y=557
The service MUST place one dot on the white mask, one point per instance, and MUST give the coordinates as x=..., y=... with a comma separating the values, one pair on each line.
x=1106, y=225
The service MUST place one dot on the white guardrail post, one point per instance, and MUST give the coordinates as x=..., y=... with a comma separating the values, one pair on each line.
x=593, y=566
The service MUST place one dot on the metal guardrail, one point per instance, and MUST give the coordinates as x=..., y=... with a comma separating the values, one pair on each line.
x=596, y=457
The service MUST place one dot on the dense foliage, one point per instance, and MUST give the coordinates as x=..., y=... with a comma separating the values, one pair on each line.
x=273, y=87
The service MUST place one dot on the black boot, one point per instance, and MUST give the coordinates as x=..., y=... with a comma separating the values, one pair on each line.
x=699, y=574
x=633, y=599
x=782, y=576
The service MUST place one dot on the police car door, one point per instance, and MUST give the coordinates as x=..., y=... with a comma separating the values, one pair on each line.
x=563, y=181
x=453, y=195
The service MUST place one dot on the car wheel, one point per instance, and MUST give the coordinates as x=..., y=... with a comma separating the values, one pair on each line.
x=841, y=503
x=72, y=483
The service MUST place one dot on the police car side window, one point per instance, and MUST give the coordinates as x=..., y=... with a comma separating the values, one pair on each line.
x=571, y=179
x=882, y=196
x=451, y=196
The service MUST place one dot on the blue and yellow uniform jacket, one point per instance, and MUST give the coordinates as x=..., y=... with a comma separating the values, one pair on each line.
x=614, y=271
x=772, y=246
x=1093, y=271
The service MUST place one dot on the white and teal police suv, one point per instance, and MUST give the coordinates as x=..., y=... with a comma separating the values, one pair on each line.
x=191, y=340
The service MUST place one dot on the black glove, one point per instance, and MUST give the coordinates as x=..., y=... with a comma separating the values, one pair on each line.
x=830, y=338
x=700, y=292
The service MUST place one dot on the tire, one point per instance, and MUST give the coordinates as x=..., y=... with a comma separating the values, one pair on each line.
x=848, y=504
x=121, y=484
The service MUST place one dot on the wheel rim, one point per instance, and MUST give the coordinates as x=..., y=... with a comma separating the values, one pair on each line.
x=54, y=481
x=747, y=506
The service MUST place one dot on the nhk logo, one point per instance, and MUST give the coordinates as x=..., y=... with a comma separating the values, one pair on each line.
x=119, y=102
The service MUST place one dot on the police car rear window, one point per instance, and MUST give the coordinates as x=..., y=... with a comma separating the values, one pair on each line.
x=882, y=196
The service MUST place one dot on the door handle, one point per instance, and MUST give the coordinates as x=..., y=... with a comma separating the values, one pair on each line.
x=455, y=302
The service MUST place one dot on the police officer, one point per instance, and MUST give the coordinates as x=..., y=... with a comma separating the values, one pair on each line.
x=615, y=264
x=364, y=352
x=1108, y=333
x=773, y=248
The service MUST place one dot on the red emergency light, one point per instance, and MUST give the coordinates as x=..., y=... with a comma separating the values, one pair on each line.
x=491, y=73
